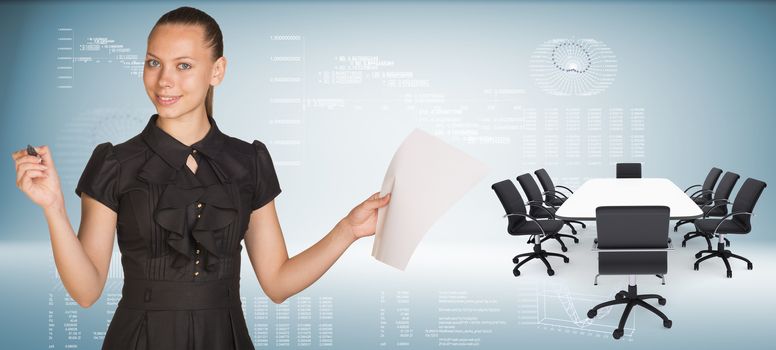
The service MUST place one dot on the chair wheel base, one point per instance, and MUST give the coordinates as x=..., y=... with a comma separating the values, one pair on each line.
x=618, y=333
x=668, y=323
x=564, y=249
x=698, y=255
x=550, y=272
x=661, y=301
x=566, y=260
x=591, y=314
x=729, y=274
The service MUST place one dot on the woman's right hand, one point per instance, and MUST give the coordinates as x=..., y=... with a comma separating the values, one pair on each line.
x=37, y=177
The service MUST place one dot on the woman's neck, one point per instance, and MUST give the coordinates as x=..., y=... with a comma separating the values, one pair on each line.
x=187, y=129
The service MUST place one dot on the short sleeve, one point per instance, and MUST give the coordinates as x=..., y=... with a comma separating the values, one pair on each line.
x=100, y=177
x=267, y=185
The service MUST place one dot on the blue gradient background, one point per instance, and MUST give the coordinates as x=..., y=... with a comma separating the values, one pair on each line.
x=702, y=70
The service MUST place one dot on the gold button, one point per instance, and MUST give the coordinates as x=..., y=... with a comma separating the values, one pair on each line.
x=194, y=151
x=196, y=273
x=198, y=215
x=196, y=262
x=197, y=251
x=199, y=205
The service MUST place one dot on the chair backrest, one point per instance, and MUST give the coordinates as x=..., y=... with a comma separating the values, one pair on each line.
x=746, y=198
x=628, y=170
x=512, y=202
x=546, y=181
x=725, y=188
x=533, y=193
x=711, y=180
x=632, y=227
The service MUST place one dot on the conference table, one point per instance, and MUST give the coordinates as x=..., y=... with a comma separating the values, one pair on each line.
x=594, y=193
x=581, y=205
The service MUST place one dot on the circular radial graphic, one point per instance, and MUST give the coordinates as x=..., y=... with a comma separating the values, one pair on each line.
x=573, y=67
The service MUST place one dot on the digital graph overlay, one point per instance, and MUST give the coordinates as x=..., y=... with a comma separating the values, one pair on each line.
x=573, y=67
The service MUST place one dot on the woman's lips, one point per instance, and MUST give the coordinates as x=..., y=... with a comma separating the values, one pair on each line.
x=167, y=100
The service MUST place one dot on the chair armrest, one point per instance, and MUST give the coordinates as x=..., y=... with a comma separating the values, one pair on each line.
x=708, y=202
x=538, y=204
x=729, y=215
x=565, y=188
x=693, y=186
x=706, y=214
x=700, y=193
x=529, y=217
x=553, y=193
x=622, y=250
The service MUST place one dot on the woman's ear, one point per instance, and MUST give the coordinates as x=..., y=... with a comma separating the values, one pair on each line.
x=219, y=69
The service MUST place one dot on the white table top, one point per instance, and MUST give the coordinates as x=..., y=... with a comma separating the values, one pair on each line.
x=644, y=191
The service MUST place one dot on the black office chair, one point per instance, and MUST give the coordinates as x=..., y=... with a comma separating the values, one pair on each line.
x=716, y=208
x=552, y=196
x=632, y=240
x=534, y=195
x=628, y=170
x=522, y=224
x=551, y=193
x=703, y=196
x=737, y=222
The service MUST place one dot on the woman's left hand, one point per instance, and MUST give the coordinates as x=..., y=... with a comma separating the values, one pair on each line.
x=362, y=220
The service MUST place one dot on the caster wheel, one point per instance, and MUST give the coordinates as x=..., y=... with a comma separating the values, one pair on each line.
x=566, y=260
x=617, y=334
x=675, y=229
x=698, y=255
x=749, y=266
x=515, y=260
x=668, y=323
x=684, y=244
x=576, y=241
x=584, y=226
x=516, y=272
x=661, y=301
x=550, y=272
x=573, y=232
x=619, y=296
x=591, y=314
x=727, y=244
x=564, y=249
x=730, y=274
x=695, y=267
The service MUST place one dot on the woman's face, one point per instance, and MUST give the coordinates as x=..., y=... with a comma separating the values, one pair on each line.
x=179, y=69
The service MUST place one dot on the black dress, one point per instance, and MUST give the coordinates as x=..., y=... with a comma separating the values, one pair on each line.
x=180, y=234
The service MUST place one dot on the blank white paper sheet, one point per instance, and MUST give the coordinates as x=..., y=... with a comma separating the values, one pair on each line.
x=425, y=178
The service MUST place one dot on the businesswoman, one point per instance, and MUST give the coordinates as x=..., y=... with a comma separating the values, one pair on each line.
x=182, y=196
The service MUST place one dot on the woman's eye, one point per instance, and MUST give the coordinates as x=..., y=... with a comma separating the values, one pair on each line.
x=184, y=66
x=153, y=63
